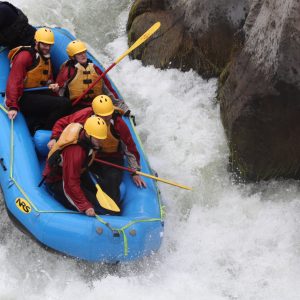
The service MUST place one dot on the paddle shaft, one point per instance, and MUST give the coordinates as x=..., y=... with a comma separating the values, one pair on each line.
x=40, y=88
x=142, y=174
x=93, y=84
x=93, y=178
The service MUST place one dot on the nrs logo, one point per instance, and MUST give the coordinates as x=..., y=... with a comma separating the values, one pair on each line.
x=23, y=205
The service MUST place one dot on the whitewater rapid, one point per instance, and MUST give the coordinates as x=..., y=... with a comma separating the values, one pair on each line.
x=223, y=240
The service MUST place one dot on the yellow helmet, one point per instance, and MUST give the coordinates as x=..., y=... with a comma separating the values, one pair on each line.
x=96, y=127
x=75, y=47
x=44, y=35
x=102, y=106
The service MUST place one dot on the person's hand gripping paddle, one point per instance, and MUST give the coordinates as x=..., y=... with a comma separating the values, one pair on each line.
x=138, y=42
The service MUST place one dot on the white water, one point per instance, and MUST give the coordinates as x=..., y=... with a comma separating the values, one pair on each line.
x=222, y=241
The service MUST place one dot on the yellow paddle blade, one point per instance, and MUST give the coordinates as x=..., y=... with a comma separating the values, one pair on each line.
x=164, y=180
x=105, y=201
x=140, y=41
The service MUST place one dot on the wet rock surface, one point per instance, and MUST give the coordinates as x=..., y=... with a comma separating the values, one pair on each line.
x=204, y=45
x=260, y=100
x=253, y=47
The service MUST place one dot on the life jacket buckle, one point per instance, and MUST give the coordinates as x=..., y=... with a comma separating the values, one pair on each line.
x=87, y=81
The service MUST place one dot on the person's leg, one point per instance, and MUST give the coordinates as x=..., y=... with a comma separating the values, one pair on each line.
x=58, y=108
x=91, y=196
x=57, y=190
x=109, y=178
x=77, y=108
x=90, y=191
x=43, y=110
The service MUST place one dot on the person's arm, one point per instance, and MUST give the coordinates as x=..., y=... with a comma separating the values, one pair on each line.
x=63, y=78
x=111, y=92
x=128, y=144
x=77, y=117
x=74, y=157
x=59, y=126
x=130, y=150
x=15, y=83
x=51, y=76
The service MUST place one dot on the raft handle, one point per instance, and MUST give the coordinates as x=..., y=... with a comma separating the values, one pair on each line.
x=116, y=233
x=2, y=164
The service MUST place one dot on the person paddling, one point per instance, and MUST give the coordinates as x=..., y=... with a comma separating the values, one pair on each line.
x=78, y=73
x=118, y=143
x=65, y=171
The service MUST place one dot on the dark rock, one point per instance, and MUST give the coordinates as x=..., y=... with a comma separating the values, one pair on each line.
x=140, y=7
x=253, y=46
x=178, y=44
x=156, y=51
x=260, y=100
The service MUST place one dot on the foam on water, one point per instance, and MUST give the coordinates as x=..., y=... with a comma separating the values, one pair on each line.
x=222, y=240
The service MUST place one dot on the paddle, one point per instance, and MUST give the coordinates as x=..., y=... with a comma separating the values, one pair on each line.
x=142, y=174
x=138, y=42
x=40, y=88
x=104, y=200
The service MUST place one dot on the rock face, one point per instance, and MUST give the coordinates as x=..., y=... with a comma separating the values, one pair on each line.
x=254, y=48
x=192, y=36
x=260, y=100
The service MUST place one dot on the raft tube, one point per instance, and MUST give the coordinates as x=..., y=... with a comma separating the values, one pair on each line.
x=136, y=233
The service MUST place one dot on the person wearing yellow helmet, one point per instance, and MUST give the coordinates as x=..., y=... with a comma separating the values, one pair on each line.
x=78, y=73
x=65, y=171
x=30, y=68
x=118, y=143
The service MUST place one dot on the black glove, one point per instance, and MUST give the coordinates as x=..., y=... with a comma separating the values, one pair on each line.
x=127, y=113
x=133, y=119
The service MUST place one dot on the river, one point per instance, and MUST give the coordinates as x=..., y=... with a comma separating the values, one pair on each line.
x=223, y=240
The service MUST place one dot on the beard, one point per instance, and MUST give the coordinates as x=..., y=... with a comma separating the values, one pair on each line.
x=43, y=52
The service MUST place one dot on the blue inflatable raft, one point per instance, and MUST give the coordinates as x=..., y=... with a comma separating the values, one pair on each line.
x=136, y=233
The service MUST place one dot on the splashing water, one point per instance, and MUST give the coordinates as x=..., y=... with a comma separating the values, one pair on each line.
x=222, y=240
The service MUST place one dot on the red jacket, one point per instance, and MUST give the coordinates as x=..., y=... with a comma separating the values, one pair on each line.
x=67, y=72
x=74, y=158
x=15, y=84
x=120, y=129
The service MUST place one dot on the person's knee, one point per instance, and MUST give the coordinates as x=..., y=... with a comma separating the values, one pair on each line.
x=64, y=105
x=113, y=179
x=116, y=176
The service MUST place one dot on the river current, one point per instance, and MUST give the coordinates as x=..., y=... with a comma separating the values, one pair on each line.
x=223, y=240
